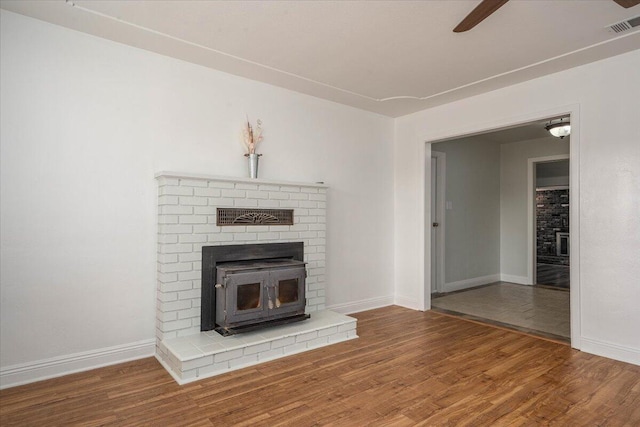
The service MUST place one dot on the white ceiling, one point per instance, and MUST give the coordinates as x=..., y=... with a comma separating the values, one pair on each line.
x=389, y=57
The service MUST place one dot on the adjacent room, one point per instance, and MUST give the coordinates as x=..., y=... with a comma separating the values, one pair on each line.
x=281, y=213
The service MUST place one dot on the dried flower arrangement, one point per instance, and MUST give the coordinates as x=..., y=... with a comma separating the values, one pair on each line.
x=252, y=137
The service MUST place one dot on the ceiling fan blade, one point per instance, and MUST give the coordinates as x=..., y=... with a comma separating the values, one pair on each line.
x=627, y=3
x=482, y=11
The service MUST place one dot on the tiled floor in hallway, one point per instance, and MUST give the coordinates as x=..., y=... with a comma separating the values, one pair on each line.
x=533, y=309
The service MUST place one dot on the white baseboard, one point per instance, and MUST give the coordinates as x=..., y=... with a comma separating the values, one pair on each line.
x=470, y=283
x=362, y=305
x=520, y=280
x=407, y=302
x=609, y=350
x=26, y=373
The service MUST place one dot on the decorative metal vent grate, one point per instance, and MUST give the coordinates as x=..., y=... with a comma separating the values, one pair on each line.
x=237, y=216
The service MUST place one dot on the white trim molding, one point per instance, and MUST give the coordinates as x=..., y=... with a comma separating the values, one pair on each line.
x=520, y=280
x=362, y=305
x=612, y=351
x=407, y=302
x=39, y=370
x=471, y=283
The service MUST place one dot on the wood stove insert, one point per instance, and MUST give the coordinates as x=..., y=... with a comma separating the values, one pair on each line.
x=245, y=287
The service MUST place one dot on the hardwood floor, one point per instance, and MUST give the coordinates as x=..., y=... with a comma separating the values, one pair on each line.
x=407, y=368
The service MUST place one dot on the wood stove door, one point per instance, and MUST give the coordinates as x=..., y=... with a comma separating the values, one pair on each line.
x=286, y=292
x=245, y=297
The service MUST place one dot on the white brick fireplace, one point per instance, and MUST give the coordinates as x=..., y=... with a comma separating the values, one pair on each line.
x=187, y=206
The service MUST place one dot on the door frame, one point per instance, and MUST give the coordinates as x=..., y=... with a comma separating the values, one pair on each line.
x=441, y=176
x=572, y=110
x=531, y=211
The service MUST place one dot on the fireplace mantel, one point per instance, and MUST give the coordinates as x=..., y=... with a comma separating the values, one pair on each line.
x=186, y=175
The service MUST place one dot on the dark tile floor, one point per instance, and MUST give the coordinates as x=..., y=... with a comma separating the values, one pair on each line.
x=553, y=275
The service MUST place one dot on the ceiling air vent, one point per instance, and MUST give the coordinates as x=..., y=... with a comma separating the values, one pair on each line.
x=624, y=25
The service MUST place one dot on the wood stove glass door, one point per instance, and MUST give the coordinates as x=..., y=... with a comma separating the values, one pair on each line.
x=245, y=296
x=286, y=291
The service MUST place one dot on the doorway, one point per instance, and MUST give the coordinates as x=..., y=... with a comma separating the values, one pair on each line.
x=514, y=268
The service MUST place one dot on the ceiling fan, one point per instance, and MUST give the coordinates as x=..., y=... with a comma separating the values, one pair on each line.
x=487, y=7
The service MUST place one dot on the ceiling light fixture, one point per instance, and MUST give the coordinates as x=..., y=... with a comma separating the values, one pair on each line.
x=559, y=129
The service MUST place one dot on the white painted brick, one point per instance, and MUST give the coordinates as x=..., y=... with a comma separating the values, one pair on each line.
x=204, y=210
x=307, y=336
x=189, y=275
x=268, y=203
x=175, y=267
x=193, y=219
x=318, y=342
x=221, y=237
x=347, y=327
x=308, y=219
x=295, y=348
x=192, y=238
x=167, y=200
x=176, y=324
x=317, y=227
x=314, y=301
x=321, y=292
x=289, y=204
x=311, y=294
x=164, y=180
x=197, y=363
x=310, y=249
x=299, y=227
x=264, y=187
x=193, y=256
x=299, y=196
x=168, y=316
x=188, y=375
x=259, y=228
x=207, y=192
x=167, y=277
x=176, y=248
x=257, y=195
x=278, y=228
x=317, y=242
x=244, y=186
x=220, y=202
x=322, y=190
x=241, y=237
x=318, y=197
x=197, y=265
x=193, y=201
x=174, y=229
x=221, y=184
x=278, y=196
x=176, y=286
x=175, y=305
x=213, y=369
x=206, y=229
x=317, y=212
x=167, y=258
x=252, y=349
x=340, y=336
x=192, y=293
x=161, y=335
x=322, y=205
x=196, y=283
x=308, y=234
x=175, y=210
x=271, y=354
x=328, y=331
x=170, y=190
x=234, y=193
x=308, y=204
x=290, y=235
x=195, y=329
x=244, y=360
x=310, y=190
x=167, y=238
x=227, y=355
x=283, y=342
x=268, y=236
x=245, y=203
x=290, y=189
x=193, y=182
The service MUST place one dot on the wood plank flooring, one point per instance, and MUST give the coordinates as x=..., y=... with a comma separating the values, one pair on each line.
x=408, y=368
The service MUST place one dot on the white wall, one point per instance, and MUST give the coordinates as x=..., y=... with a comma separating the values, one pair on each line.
x=514, y=195
x=87, y=122
x=606, y=97
x=472, y=225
